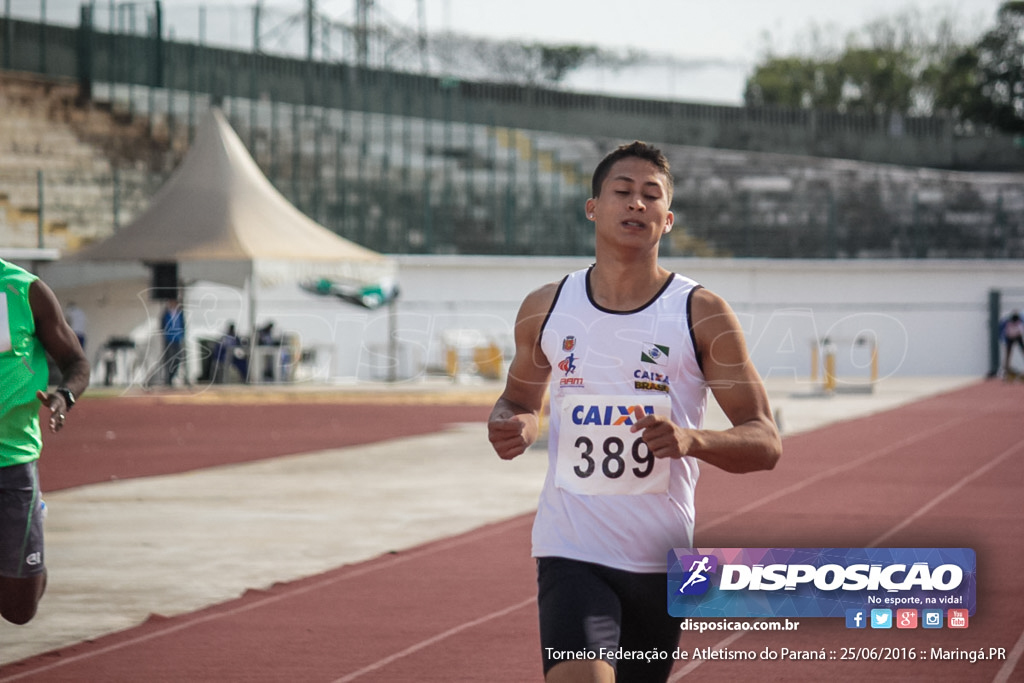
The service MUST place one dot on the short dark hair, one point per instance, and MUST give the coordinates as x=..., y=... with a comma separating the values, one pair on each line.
x=640, y=150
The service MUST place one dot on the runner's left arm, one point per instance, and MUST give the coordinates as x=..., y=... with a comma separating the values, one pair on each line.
x=61, y=343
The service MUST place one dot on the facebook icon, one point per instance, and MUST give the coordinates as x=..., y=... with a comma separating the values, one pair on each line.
x=856, y=618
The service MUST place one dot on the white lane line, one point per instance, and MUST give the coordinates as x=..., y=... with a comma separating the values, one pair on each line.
x=838, y=469
x=1018, y=649
x=380, y=663
x=448, y=544
x=1004, y=673
x=950, y=491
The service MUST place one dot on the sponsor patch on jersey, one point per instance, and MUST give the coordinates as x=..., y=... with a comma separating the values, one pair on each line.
x=568, y=368
x=648, y=380
x=655, y=354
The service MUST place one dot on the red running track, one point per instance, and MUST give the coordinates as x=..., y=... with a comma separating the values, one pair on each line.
x=124, y=438
x=943, y=472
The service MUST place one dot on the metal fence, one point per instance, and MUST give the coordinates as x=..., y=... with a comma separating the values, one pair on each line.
x=400, y=184
x=404, y=163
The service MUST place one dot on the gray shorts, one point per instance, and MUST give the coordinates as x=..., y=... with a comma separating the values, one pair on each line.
x=21, y=522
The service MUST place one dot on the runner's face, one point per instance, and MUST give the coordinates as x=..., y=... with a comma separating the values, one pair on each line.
x=633, y=204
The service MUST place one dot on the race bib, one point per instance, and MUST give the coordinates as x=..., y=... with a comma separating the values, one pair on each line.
x=598, y=455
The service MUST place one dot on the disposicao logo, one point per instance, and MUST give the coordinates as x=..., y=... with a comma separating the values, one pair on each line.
x=819, y=582
x=697, y=579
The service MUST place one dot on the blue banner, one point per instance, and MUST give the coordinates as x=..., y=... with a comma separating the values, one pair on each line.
x=818, y=582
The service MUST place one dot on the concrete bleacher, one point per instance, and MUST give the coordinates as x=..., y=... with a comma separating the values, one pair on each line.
x=855, y=209
x=42, y=152
x=469, y=174
x=325, y=161
x=403, y=184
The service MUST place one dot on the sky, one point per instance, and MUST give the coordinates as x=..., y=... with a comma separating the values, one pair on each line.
x=714, y=43
x=722, y=39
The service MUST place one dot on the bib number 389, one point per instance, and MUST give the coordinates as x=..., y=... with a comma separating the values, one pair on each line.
x=598, y=455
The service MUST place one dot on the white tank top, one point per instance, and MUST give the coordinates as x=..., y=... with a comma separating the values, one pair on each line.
x=605, y=499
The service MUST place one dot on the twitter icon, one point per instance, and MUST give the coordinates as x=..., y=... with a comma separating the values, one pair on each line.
x=881, y=618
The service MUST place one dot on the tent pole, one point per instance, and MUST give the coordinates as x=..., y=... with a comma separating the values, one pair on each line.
x=251, y=283
x=392, y=342
x=182, y=292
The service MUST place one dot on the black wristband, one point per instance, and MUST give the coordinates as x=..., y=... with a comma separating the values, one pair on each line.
x=69, y=398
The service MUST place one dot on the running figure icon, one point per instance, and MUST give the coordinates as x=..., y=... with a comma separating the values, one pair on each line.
x=697, y=571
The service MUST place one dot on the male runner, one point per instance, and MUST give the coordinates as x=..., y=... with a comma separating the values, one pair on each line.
x=31, y=325
x=626, y=417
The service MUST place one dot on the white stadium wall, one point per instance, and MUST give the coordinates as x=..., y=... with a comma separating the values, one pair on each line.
x=927, y=317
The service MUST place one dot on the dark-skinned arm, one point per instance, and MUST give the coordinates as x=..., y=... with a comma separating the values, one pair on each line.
x=61, y=343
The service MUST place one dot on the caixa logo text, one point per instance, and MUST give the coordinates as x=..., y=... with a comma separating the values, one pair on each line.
x=831, y=577
x=604, y=415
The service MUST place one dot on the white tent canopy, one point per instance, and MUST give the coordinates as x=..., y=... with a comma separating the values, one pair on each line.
x=221, y=221
x=218, y=209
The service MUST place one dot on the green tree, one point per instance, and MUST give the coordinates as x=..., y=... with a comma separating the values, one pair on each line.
x=955, y=85
x=558, y=60
x=789, y=82
x=1000, y=72
x=896, y=64
x=875, y=80
x=867, y=80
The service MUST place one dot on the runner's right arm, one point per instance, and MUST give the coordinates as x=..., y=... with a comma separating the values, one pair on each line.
x=514, y=422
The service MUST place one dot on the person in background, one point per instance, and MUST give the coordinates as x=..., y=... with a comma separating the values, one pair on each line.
x=265, y=338
x=230, y=352
x=1012, y=332
x=77, y=320
x=172, y=324
x=32, y=325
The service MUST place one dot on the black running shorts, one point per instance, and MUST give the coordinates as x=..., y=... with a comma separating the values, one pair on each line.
x=21, y=522
x=590, y=608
